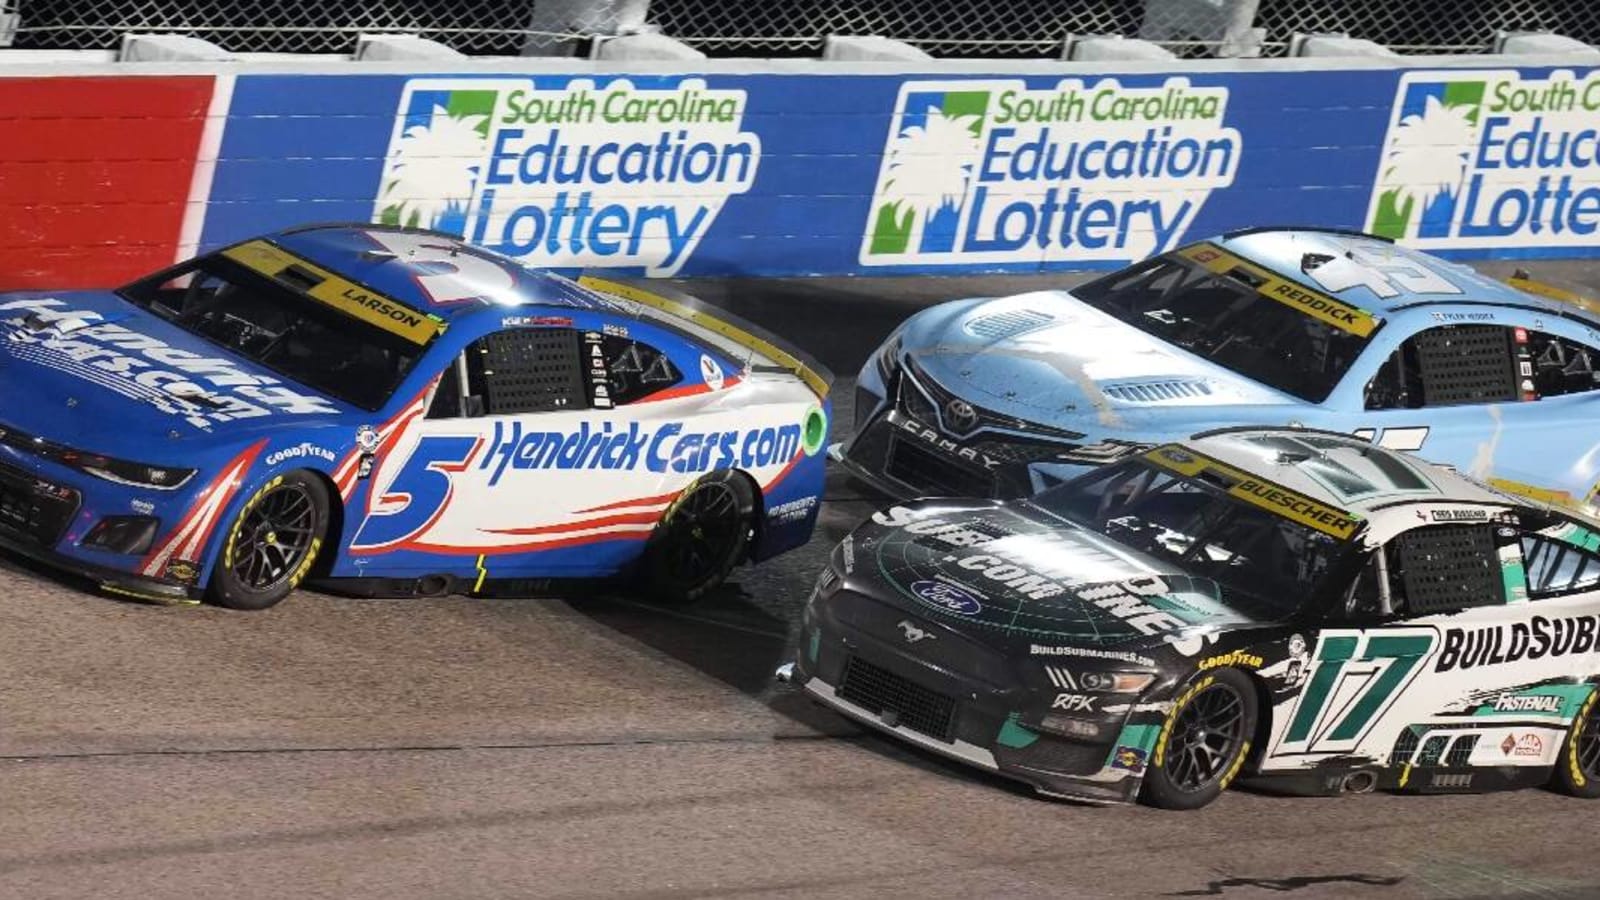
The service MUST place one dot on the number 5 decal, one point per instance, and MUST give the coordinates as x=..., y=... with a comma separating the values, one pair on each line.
x=1355, y=678
x=417, y=495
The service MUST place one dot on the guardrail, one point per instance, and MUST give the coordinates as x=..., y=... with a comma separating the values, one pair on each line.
x=795, y=168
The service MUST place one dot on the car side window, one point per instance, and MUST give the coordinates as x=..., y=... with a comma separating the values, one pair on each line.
x=1557, y=567
x=1433, y=569
x=635, y=370
x=520, y=370
x=1451, y=365
x=1560, y=365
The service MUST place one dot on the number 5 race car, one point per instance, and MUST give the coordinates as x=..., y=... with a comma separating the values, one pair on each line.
x=1295, y=607
x=1004, y=397
x=401, y=413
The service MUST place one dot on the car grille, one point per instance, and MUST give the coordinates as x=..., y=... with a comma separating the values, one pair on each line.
x=1059, y=756
x=930, y=474
x=35, y=509
x=879, y=691
x=925, y=399
x=1019, y=451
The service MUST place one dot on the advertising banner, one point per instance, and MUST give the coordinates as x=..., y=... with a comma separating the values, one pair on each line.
x=95, y=176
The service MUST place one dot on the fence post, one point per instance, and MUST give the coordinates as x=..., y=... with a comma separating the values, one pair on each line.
x=579, y=17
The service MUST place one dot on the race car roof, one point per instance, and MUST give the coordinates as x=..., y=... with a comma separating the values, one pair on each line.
x=1385, y=276
x=432, y=271
x=1336, y=470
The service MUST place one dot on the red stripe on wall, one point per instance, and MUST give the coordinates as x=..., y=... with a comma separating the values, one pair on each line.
x=94, y=176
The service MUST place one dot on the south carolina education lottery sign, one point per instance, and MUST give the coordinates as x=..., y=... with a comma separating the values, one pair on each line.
x=997, y=172
x=568, y=172
x=1492, y=160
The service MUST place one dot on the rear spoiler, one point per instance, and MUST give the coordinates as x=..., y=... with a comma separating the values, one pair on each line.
x=1571, y=295
x=714, y=324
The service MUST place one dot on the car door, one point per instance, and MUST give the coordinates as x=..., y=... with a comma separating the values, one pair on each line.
x=1422, y=641
x=529, y=454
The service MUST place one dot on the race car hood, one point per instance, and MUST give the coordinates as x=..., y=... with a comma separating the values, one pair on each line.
x=1047, y=357
x=1007, y=574
x=92, y=371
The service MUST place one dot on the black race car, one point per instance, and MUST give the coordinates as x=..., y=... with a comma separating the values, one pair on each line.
x=1296, y=607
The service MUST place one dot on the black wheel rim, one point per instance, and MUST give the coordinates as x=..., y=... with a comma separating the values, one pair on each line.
x=1589, y=744
x=703, y=534
x=1205, y=738
x=272, y=542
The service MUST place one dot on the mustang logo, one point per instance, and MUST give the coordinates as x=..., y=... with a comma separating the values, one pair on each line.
x=912, y=633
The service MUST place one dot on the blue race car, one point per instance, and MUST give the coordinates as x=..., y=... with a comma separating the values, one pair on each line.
x=400, y=413
x=1332, y=330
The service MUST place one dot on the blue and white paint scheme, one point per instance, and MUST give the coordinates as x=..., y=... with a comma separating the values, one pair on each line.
x=1325, y=329
x=132, y=438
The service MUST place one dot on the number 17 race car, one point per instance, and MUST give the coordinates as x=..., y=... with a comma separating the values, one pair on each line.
x=403, y=414
x=1298, y=608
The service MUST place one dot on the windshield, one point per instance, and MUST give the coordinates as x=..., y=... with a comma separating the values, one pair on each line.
x=1227, y=320
x=298, y=337
x=1260, y=559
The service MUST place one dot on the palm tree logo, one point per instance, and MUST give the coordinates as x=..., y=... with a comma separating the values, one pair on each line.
x=433, y=169
x=926, y=172
x=1423, y=167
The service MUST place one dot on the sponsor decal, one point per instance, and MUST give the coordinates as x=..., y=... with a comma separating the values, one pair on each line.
x=897, y=517
x=1537, y=638
x=333, y=290
x=947, y=596
x=614, y=330
x=302, y=450
x=711, y=373
x=1090, y=652
x=847, y=551
x=1073, y=703
x=1522, y=745
x=995, y=171
x=1271, y=497
x=1131, y=759
x=1543, y=703
x=367, y=439
x=793, y=511
x=1236, y=658
x=590, y=172
x=203, y=390
x=1296, y=296
x=1451, y=781
x=142, y=507
x=1127, y=601
x=914, y=634
x=1490, y=159
x=612, y=446
x=184, y=571
x=1463, y=316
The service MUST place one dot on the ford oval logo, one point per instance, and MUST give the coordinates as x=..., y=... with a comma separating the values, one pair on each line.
x=947, y=596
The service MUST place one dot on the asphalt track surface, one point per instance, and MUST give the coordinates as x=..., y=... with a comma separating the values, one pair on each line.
x=603, y=747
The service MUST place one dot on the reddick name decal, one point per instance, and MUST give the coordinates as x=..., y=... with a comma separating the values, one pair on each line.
x=1493, y=645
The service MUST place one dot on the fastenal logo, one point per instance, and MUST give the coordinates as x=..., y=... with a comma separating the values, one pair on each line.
x=587, y=172
x=1490, y=159
x=993, y=171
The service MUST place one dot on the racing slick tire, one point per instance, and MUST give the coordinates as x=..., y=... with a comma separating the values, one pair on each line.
x=1577, y=770
x=1204, y=741
x=272, y=543
x=702, y=536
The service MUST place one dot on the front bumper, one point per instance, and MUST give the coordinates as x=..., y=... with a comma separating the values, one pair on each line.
x=108, y=579
x=904, y=447
x=956, y=710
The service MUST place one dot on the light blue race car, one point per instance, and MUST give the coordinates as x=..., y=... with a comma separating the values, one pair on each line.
x=1334, y=330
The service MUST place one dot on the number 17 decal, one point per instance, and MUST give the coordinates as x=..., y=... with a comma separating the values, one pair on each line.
x=1356, y=678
